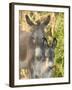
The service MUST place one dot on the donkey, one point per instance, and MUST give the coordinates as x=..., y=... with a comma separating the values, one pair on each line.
x=33, y=47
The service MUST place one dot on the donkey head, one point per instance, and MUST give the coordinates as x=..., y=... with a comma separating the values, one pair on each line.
x=50, y=51
x=50, y=54
x=38, y=36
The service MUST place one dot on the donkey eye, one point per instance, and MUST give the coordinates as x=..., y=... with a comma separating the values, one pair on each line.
x=33, y=39
x=44, y=39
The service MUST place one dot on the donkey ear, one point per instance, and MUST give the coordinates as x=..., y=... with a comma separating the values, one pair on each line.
x=54, y=43
x=46, y=21
x=29, y=21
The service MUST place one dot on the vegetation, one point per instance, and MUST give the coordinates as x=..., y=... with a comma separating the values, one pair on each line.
x=59, y=51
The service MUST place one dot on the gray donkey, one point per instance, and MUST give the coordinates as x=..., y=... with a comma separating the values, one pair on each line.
x=34, y=52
